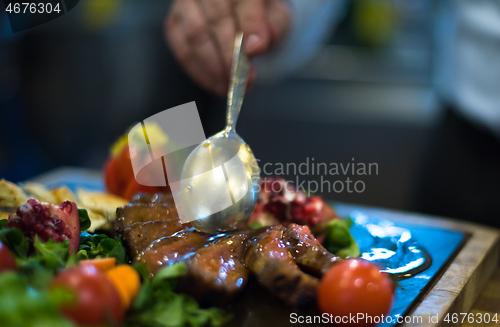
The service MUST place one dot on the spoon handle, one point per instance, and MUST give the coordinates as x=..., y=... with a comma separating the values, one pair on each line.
x=239, y=77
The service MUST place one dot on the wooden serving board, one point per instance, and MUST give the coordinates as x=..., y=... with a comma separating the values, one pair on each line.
x=462, y=281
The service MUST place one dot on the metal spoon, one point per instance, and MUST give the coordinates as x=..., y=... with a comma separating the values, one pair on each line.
x=220, y=178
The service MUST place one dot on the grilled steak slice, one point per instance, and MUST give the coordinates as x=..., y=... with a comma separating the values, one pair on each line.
x=218, y=265
x=215, y=272
x=268, y=258
x=156, y=198
x=142, y=224
x=141, y=235
x=132, y=214
x=306, y=251
x=168, y=250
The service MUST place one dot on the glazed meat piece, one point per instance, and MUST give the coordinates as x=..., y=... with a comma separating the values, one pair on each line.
x=134, y=213
x=141, y=235
x=219, y=265
x=167, y=250
x=306, y=251
x=156, y=198
x=142, y=224
x=215, y=272
x=269, y=259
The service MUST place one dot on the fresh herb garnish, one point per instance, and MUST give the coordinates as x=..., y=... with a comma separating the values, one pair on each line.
x=84, y=219
x=15, y=240
x=95, y=246
x=22, y=305
x=157, y=305
x=338, y=238
x=50, y=255
x=24, y=296
x=256, y=225
x=26, y=301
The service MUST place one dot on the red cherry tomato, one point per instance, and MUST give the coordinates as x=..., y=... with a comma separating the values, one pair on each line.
x=118, y=172
x=124, y=171
x=110, y=179
x=119, y=177
x=7, y=260
x=97, y=302
x=355, y=286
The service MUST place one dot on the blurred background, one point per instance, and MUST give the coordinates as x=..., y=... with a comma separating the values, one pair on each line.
x=70, y=87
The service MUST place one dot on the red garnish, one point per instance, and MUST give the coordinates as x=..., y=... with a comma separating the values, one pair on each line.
x=289, y=205
x=48, y=221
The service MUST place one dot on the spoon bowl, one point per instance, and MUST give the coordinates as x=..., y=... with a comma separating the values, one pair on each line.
x=222, y=165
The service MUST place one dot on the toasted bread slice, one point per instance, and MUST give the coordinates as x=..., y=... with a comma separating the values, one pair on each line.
x=101, y=203
x=11, y=195
x=40, y=192
x=4, y=214
x=64, y=194
x=97, y=221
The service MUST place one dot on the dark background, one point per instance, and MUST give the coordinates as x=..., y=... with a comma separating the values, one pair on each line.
x=70, y=87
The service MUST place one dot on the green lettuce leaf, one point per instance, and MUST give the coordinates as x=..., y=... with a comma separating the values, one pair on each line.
x=157, y=305
x=15, y=241
x=21, y=305
x=95, y=246
x=338, y=238
x=84, y=219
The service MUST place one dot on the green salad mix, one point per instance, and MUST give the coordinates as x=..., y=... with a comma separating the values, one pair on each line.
x=27, y=301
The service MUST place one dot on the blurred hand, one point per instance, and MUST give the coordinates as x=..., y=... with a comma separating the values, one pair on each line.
x=201, y=34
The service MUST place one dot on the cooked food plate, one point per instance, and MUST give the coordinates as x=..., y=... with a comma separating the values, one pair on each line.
x=63, y=236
